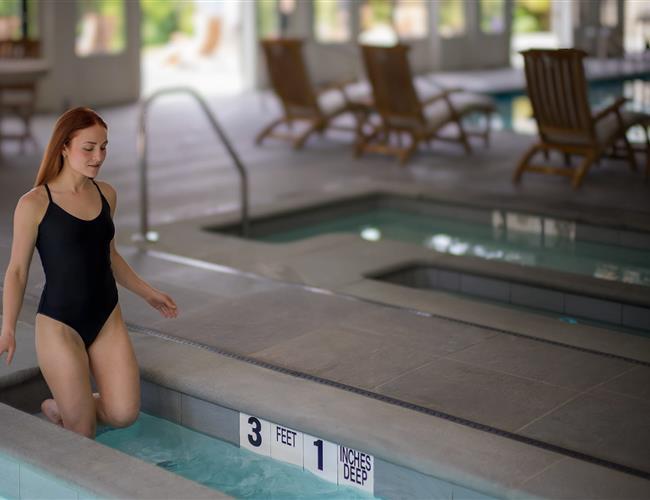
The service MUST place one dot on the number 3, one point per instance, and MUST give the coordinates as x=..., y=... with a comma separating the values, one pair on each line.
x=257, y=427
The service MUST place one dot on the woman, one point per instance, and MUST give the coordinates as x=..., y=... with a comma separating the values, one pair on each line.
x=67, y=216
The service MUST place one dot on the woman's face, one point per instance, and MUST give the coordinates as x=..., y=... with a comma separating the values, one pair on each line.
x=86, y=151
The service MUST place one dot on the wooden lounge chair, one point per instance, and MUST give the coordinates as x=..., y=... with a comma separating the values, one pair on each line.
x=19, y=99
x=557, y=89
x=301, y=101
x=404, y=112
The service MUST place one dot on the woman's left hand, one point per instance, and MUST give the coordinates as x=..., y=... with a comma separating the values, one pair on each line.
x=164, y=303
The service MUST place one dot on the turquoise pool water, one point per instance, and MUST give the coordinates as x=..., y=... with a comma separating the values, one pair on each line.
x=541, y=249
x=515, y=112
x=217, y=464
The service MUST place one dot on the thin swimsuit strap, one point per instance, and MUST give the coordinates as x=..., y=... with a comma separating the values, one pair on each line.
x=49, y=195
x=97, y=186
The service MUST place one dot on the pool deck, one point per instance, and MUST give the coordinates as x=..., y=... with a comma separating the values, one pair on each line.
x=572, y=387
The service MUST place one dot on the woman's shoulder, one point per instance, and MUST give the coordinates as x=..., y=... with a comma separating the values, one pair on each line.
x=33, y=203
x=107, y=189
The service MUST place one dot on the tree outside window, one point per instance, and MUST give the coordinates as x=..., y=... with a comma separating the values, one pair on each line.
x=100, y=27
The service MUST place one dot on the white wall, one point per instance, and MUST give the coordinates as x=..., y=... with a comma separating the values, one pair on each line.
x=89, y=81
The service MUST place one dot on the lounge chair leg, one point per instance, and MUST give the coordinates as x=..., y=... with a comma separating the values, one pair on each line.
x=463, y=138
x=523, y=163
x=301, y=139
x=267, y=130
x=486, y=137
x=582, y=170
x=630, y=153
x=406, y=154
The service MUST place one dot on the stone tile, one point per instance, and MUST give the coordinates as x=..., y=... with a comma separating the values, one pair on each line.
x=635, y=382
x=587, y=307
x=449, y=280
x=600, y=423
x=542, y=362
x=209, y=418
x=160, y=401
x=435, y=335
x=348, y=356
x=137, y=311
x=223, y=285
x=538, y=298
x=500, y=400
x=9, y=478
x=572, y=479
x=636, y=317
x=485, y=287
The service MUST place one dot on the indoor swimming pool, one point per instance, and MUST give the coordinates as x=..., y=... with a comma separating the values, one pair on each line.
x=514, y=111
x=517, y=238
x=218, y=464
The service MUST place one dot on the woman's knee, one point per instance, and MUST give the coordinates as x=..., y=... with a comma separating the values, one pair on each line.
x=122, y=415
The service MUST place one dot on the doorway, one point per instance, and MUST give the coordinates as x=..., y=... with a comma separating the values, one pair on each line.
x=192, y=43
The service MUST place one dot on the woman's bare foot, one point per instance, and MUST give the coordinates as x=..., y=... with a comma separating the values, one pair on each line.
x=51, y=411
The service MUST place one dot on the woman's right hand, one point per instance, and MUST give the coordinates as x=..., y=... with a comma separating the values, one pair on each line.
x=8, y=344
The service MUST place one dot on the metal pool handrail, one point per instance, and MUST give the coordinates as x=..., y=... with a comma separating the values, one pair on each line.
x=152, y=236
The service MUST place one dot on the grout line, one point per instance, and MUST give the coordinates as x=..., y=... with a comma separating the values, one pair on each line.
x=552, y=410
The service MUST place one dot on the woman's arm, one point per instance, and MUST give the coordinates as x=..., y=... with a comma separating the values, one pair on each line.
x=26, y=216
x=128, y=278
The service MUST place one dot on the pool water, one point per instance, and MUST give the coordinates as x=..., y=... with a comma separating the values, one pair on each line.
x=558, y=252
x=218, y=464
x=515, y=112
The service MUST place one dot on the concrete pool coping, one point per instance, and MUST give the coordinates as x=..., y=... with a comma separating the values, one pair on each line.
x=431, y=446
x=87, y=464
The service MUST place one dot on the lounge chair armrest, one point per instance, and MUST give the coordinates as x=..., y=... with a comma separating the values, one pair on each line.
x=441, y=95
x=614, y=107
x=338, y=85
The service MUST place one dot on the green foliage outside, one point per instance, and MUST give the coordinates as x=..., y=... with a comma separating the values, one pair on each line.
x=12, y=8
x=381, y=12
x=492, y=15
x=451, y=15
x=531, y=16
x=267, y=18
x=108, y=9
x=161, y=18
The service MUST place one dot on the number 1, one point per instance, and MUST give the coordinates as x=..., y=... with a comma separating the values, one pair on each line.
x=319, y=444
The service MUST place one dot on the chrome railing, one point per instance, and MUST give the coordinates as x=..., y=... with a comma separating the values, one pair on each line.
x=145, y=234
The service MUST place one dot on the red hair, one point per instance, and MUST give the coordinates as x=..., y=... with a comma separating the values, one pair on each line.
x=66, y=127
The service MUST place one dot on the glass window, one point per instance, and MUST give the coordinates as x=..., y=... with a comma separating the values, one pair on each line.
x=377, y=23
x=11, y=19
x=100, y=27
x=492, y=16
x=332, y=20
x=410, y=17
x=609, y=13
x=273, y=17
x=532, y=16
x=451, y=18
x=166, y=20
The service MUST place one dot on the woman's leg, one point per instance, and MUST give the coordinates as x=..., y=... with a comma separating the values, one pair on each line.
x=115, y=368
x=65, y=367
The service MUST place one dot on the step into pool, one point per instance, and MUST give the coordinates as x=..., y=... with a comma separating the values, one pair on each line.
x=525, y=239
x=218, y=464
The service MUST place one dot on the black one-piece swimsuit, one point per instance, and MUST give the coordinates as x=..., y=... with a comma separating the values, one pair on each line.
x=80, y=289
